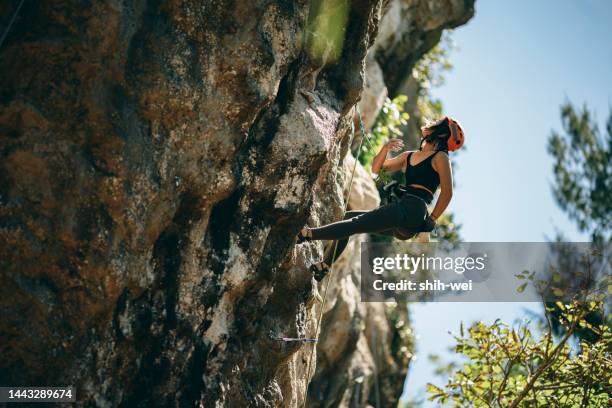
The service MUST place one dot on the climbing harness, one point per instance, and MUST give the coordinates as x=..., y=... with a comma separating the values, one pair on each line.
x=389, y=192
x=10, y=24
x=394, y=191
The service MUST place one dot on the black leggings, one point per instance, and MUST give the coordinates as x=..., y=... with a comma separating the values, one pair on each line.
x=401, y=219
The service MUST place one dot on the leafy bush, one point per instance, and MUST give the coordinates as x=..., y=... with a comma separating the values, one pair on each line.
x=388, y=125
x=529, y=367
x=583, y=171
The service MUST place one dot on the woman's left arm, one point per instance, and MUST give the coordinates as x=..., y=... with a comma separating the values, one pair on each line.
x=441, y=163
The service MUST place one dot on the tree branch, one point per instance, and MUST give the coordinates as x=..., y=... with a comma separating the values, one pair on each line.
x=549, y=361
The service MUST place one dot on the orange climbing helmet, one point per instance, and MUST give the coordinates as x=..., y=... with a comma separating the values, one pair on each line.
x=447, y=129
x=457, y=137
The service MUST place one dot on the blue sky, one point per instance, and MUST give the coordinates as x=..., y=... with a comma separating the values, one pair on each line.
x=516, y=62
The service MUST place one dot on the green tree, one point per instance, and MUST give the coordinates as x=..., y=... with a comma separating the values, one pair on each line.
x=429, y=73
x=529, y=365
x=521, y=367
x=388, y=125
x=583, y=171
x=583, y=187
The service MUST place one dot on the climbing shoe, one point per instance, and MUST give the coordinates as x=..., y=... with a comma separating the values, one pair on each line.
x=319, y=270
x=302, y=237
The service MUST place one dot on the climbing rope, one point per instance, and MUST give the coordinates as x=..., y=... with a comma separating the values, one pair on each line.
x=10, y=24
x=331, y=268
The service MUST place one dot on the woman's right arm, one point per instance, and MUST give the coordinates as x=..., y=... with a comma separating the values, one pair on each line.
x=390, y=165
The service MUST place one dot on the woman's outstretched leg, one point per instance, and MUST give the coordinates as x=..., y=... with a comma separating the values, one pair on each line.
x=329, y=257
x=333, y=251
x=377, y=220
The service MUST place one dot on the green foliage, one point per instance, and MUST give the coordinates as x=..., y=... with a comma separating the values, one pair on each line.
x=326, y=29
x=429, y=70
x=448, y=230
x=403, y=341
x=503, y=364
x=429, y=73
x=524, y=366
x=583, y=171
x=411, y=403
x=388, y=125
x=582, y=187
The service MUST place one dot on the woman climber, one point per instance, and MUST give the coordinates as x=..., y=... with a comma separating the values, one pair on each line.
x=425, y=170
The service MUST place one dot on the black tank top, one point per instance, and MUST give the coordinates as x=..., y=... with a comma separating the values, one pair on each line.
x=422, y=173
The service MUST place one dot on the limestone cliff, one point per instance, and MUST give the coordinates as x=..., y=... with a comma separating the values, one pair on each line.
x=157, y=160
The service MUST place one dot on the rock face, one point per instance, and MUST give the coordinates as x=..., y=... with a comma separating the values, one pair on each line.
x=158, y=159
x=365, y=348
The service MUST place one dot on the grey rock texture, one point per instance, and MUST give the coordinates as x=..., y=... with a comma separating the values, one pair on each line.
x=409, y=29
x=157, y=160
x=365, y=348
